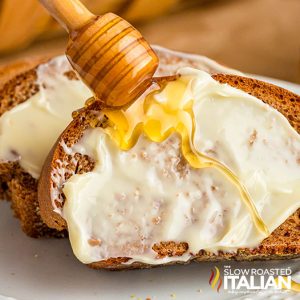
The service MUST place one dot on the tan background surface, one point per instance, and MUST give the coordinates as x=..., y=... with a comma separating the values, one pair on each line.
x=256, y=36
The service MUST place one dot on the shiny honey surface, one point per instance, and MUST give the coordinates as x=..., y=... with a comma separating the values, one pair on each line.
x=158, y=120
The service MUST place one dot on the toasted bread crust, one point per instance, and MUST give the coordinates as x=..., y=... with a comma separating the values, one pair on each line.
x=10, y=71
x=283, y=243
x=18, y=84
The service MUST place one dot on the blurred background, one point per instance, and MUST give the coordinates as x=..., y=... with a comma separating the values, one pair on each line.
x=255, y=36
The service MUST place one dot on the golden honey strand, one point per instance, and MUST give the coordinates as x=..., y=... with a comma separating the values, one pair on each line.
x=195, y=158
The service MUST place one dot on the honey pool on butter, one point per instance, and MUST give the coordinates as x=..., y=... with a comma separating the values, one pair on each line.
x=192, y=161
x=158, y=120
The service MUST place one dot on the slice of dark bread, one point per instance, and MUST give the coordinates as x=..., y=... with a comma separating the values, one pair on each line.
x=283, y=243
x=18, y=85
x=18, y=82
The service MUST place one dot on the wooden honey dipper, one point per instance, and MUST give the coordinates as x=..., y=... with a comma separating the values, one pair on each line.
x=109, y=54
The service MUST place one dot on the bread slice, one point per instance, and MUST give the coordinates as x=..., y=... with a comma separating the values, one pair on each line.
x=18, y=82
x=283, y=243
x=11, y=70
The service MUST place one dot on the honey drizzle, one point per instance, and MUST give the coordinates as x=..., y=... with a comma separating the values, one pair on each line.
x=158, y=121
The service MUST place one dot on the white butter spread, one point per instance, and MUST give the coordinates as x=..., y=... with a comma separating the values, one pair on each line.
x=29, y=130
x=136, y=198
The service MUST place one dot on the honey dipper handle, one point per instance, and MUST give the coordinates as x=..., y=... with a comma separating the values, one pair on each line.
x=71, y=14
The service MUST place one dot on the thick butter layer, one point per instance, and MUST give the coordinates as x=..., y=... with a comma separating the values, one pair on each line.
x=147, y=194
x=22, y=135
x=29, y=130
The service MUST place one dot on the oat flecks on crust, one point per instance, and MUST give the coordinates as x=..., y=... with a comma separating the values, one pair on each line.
x=67, y=165
x=63, y=170
x=63, y=165
x=18, y=90
x=23, y=196
x=170, y=249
